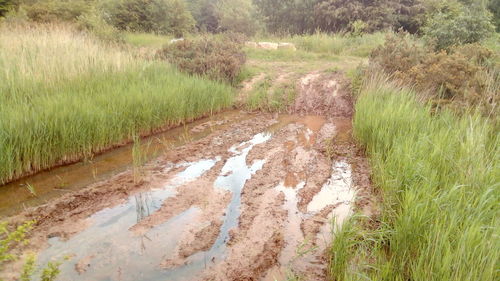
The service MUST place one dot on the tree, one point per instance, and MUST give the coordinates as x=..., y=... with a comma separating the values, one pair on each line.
x=411, y=15
x=288, y=16
x=160, y=16
x=236, y=16
x=458, y=25
x=337, y=15
x=205, y=14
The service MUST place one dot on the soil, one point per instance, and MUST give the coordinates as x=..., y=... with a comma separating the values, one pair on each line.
x=274, y=218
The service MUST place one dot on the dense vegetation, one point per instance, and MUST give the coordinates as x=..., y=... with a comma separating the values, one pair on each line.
x=438, y=177
x=66, y=96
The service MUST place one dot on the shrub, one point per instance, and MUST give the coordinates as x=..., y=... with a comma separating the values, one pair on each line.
x=449, y=29
x=45, y=11
x=467, y=74
x=96, y=25
x=399, y=54
x=219, y=58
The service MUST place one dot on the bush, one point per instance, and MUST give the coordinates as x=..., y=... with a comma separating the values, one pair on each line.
x=449, y=29
x=96, y=25
x=45, y=11
x=399, y=54
x=219, y=58
x=467, y=74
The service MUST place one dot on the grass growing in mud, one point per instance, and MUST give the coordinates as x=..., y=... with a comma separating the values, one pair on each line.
x=66, y=96
x=265, y=97
x=438, y=174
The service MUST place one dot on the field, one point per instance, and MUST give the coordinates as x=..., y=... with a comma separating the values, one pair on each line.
x=66, y=96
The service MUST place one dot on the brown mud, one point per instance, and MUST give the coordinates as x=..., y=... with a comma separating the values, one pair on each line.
x=254, y=199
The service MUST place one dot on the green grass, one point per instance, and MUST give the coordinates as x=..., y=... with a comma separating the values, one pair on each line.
x=147, y=39
x=265, y=97
x=65, y=96
x=439, y=177
x=331, y=44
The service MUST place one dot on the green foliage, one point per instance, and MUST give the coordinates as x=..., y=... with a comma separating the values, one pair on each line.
x=337, y=44
x=494, y=8
x=289, y=16
x=8, y=239
x=307, y=16
x=266, y=97
x=44, y=11
x=458, y=25
x=358, y=28
x=5, y=6
x=438, y=177
x=65, y=111
x=217, y=58
x=236, y=16
x=159, y=16
x=29, y=268
x=465, y=75
x=92, y=22
x=50, y=272
x=337, y=15
x=206, y=14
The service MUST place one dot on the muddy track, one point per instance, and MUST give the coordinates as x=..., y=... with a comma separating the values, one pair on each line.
x=252, y=201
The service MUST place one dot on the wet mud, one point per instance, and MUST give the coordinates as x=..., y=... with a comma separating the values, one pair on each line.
x=256, y=198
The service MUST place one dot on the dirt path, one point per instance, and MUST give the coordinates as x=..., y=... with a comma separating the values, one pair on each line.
x=252, y=201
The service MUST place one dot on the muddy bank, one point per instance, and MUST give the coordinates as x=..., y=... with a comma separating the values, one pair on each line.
x=255, y=199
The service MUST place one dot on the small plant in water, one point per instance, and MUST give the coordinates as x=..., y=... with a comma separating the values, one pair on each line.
x=137, y=158
x=31, y=189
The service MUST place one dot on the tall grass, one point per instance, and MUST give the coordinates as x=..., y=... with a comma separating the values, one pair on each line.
x=439, y=175
x=65, y=96
x=334, y=44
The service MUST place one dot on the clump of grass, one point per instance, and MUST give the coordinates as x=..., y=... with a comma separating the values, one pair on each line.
x=66, y=96
x=266, y=97
x=438, y=174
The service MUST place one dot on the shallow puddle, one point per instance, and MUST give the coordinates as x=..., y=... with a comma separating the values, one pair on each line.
x=110, y=252
x=106, y=250
x=299, y=252
x=56, y=182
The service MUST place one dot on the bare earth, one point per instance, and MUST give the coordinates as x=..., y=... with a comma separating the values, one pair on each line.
x=283, y=211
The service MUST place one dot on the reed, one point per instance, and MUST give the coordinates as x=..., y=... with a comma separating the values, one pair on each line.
x=65, y=96
x=439, y=178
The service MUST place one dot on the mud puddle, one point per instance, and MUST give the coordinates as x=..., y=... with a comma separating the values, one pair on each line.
x=258, y=206
x=106, y=250
x=51, y=184
x=254, y=200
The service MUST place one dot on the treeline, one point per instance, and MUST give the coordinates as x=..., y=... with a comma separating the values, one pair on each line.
x=457, y=18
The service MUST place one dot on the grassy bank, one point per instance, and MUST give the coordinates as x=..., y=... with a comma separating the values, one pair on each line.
x=66, y=96
x=439, y=179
